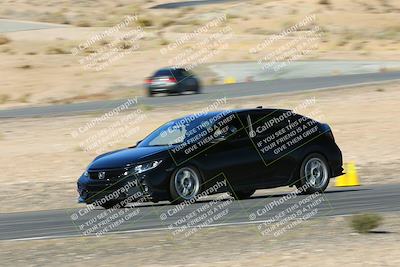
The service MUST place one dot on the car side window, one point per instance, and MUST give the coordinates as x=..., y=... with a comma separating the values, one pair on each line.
x=264, y=124
x=176, y=73
x=186, y=73
x=230, y=127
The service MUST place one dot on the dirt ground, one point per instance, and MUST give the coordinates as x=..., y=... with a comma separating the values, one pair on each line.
x=325, y=241
x=38, y=67
x=43, y=157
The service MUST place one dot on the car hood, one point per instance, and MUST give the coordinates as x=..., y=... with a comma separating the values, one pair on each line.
x=125, y=157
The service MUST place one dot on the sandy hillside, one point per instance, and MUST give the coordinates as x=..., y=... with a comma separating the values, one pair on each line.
x=38, y=67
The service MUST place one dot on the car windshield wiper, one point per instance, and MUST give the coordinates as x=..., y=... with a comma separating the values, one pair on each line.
x=166, y=144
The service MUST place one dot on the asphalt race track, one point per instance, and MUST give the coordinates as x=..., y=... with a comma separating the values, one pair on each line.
x=209, y=93
x=336, y=201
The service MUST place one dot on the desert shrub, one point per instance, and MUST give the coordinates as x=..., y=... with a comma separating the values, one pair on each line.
x=25, y=67
x=363, y=223
x=56, y=51
x=83, y=23
x=167, y=23
x=145, y=22
x=324, y=2
x=4, y=40
x=24, y=98
x=232, y=16
x=164, y=42
x=145, y=107
x=125, y=44
x=4, y=98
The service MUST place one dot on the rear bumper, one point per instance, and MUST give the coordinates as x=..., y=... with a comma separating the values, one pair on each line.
x=162, y=89
x=336, y=163
x=337, y=171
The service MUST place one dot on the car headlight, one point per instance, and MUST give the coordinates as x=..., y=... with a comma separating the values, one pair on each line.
x=146, y=166
x=86, y=174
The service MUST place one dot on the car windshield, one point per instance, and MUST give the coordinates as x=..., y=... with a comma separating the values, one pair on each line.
x=173, y=132
x=170, y=133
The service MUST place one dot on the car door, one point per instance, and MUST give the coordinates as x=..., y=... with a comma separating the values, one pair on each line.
x=189, y=80
x=233, y=155
x=272, y=136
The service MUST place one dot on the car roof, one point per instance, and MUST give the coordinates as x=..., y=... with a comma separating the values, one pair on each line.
x=213, y=113
x=169, y=69
x=263, y=110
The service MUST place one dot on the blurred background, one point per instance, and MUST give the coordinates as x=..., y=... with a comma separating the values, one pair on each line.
x=65, y=63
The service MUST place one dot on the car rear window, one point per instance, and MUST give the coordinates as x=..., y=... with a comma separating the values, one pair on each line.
x=164, y=72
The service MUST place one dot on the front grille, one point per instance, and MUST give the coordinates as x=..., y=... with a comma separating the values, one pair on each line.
x=107, y=174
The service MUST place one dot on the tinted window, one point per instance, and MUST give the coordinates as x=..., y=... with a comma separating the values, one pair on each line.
x=186, y=73
x=266, y=123
x=163, y=72
x=231, y=127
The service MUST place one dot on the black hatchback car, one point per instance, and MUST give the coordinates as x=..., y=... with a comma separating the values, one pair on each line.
x=172, y=81
x=238, y=151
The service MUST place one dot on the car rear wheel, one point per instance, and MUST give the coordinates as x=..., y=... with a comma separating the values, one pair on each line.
x=197, y=89
x=185, y=184
x=314, y=174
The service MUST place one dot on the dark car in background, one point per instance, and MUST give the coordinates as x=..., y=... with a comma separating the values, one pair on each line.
x=242, y=150
x=172, y=81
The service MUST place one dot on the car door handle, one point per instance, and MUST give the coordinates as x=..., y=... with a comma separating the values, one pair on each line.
x=217, y=140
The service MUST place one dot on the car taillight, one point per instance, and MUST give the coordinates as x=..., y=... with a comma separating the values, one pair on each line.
x=171, y=80
x=148, y=81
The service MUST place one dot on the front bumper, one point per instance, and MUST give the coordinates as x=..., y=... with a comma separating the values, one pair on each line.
x=153, y=185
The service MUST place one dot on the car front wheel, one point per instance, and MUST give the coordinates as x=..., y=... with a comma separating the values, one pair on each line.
x=314, y=174
x=185, y=184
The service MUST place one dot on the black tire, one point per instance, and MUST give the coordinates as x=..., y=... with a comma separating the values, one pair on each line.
x=197, y=89
x=238, y=195
x=304, y=184
x=175, y=195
